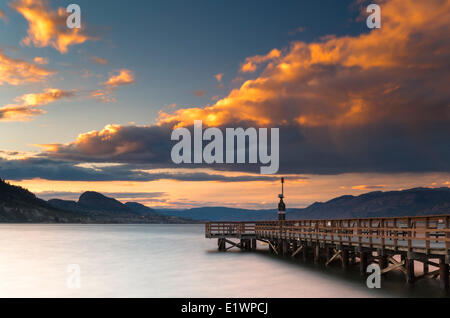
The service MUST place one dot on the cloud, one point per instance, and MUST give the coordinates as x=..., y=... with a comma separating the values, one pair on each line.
x=199, y=93
x=251, y=63
x=297, y=30
x=103, y=95
x=25, y=106
x=121, y=78
x=3, y=15
x=18, y=113
x=218, y=77
x=368, y=187
x=18, y=72
x=41, y=60
x=66, y=195
x=99, y=60
x=62, y=170
x=40, y=99
x=395, y=73
x=47, y=27
x=375, y=102
x=117, y=143
x=124, y=77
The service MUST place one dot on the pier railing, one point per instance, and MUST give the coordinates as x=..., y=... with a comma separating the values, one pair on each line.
x=422, y=232
x=229, y=229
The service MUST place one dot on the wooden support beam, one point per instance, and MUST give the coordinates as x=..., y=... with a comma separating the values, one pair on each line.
x=426, y=268
x=328, y=252
x=432, y=274
x=409, y=266
x=383, y=261
x=391, y=267
x=272, y=248
x=443, y=274
x=395, y=262
x=298, y=250
x=284, y=247
x=336, y=255
x=432, y=263
x=344, y=258
x=233, y=244
x=316, y=254
x=221, y=244
x=363, y=263
x=254, y=244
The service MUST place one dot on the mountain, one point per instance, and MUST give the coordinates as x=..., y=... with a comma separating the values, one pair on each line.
x=412, y=202
x=109, y=210
x=18, y=205
x=98, y=202
x=222, y=214
x=139, y=208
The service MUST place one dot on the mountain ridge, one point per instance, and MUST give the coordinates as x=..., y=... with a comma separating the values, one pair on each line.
x=20, y=205
x=409, y=202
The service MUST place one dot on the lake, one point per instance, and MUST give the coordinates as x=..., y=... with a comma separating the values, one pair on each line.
x=165, y=261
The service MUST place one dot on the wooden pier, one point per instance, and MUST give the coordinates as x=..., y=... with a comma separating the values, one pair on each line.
x=392, y=243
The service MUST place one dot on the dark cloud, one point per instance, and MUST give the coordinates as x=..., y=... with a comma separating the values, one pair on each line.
x=69, y=171
x=199, y=93
x=63, y=195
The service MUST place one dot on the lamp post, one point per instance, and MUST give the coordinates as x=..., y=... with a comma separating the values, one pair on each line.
x=281, y=205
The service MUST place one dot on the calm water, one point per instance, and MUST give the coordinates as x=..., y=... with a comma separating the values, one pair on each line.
x=165, y=261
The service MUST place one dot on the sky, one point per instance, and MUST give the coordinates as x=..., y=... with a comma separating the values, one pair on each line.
x=92, y=109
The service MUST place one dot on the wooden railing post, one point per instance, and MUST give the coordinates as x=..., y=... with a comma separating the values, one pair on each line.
x=395, y=235
x=447, y=235
x=359, y=232
x=427, y=235
x=409, y=234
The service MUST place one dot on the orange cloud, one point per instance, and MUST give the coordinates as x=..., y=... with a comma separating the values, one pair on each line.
x=251, y=63
x=41, y=99
x=99, y=60
x=26, y=105
x=2, y=15
x=392, y=74
x=47, y=27
x=17, y=72
x=18, y=113
x=41, y=60
x=218, y=77
x=103, y=96
x=364, y=187
x=125, y=77
x=199, y=93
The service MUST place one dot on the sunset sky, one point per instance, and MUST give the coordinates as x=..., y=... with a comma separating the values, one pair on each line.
x=359, y=110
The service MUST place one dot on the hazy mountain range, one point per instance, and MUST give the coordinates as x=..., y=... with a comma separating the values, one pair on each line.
x=412, y=202
x=18, y=205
